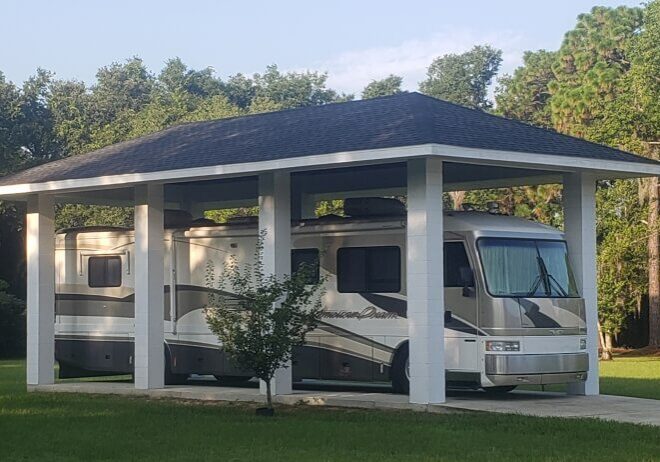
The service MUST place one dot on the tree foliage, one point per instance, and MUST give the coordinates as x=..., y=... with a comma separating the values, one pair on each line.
x=26, y=125
x=591, y=61
x=463, y=78
x=540, y=203
x=525, y=94
x=260, y=317
x=76, y=215
x=282, y=90
x=12, y=324
x=622, y=269
x=390, y=85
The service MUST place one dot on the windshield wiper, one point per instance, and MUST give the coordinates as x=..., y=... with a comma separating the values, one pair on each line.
x=535, y=286
x=544, y=275
x=561, y=290
x=549, y=279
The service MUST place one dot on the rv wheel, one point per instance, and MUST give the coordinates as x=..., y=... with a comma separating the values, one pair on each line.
x=174, y=379
x=170, y=377
x=401, y=371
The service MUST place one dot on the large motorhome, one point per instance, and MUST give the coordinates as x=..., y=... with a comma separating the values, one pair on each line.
x=512, y=312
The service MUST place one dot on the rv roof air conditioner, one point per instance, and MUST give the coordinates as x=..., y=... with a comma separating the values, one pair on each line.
x=493, y=207
x=374, y=207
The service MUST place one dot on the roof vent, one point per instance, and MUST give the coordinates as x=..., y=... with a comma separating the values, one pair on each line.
x=374, y=207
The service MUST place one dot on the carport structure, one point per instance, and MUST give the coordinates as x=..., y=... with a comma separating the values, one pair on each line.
x=407, y=144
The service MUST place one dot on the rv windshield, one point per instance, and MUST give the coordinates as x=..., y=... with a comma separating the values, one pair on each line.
x=526, y=268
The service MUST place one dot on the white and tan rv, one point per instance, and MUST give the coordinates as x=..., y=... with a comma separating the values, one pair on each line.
x=513, y=315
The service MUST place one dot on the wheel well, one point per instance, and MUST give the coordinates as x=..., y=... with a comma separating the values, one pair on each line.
x=168, y=355
x=397, y=351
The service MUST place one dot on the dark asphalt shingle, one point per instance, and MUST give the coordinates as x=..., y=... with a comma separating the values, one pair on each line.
x=401, y=120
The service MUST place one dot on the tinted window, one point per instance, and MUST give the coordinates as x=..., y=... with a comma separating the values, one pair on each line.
x=309, y=258
x=455, y=259
x=104, y=271
x=368, y=269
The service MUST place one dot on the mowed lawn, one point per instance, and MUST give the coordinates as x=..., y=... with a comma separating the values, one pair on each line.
x=631, y=376
x=54, y=427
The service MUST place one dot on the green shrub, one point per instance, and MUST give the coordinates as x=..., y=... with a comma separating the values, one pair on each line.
x=12, y=324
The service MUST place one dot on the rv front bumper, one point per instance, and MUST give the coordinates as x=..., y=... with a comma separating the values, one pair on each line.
x=537, y=369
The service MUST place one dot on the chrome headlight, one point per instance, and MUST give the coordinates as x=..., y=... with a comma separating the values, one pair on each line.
x=583, y=344
x=500, y=345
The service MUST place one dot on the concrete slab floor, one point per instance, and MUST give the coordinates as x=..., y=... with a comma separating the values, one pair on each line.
x=546, y=404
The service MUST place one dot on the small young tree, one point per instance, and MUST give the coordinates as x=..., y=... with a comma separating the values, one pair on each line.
x=265, y=316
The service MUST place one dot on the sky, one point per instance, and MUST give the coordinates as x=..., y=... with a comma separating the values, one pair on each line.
x=354, y=41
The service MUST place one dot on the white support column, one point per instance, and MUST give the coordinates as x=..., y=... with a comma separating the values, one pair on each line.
x=149, y=287
x=425, y=283
x=40, y=224
x=579, y=200
x=275, y=221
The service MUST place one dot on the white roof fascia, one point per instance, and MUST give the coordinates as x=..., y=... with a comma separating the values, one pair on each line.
x=342, y=159
x=548, y=162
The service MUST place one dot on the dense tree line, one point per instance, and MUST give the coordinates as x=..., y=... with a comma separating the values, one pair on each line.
x=601, y=84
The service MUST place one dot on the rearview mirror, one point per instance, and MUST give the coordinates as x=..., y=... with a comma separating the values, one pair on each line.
x=467, y=276
x=467, y=279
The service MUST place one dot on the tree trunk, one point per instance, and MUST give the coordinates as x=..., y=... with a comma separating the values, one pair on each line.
x=607, y=348
x=458, y=198
x=654, y=264
x=269, y=396
x=601, y=339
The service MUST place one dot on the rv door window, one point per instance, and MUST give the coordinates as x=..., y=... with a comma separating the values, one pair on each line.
x=104, y=271
x=369, y=269
x=308, y=257
x=455, y=259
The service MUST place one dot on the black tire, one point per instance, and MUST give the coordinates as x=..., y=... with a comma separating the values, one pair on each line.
x=500, y=390
x=170, y=377
x=232, y=379
x=400, y=382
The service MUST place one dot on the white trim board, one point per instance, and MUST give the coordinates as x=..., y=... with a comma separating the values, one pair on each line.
x=546, y=162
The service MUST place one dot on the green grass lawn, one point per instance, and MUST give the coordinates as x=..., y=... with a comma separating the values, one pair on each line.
x=54, y=427
x=631, y=376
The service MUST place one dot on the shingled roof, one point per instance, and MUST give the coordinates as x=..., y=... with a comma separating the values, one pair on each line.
x=406, y=119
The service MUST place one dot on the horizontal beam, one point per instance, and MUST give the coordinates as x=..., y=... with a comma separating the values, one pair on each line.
x=544, y=162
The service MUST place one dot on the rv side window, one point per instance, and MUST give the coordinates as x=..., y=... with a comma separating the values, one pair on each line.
x=308, y=257
x=368, y=269
x=104, y=271
x=455, y=259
